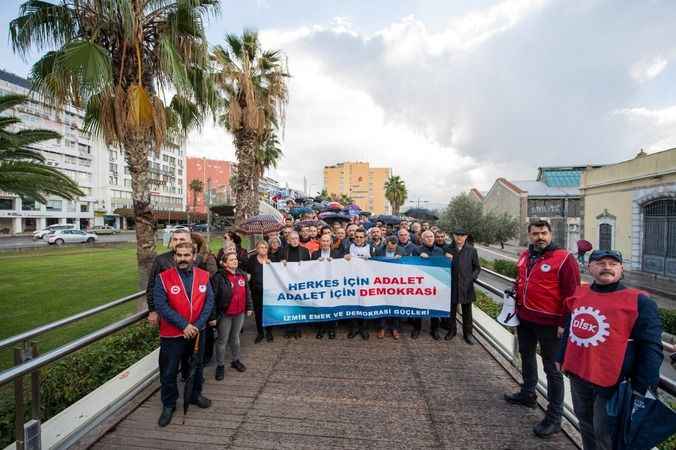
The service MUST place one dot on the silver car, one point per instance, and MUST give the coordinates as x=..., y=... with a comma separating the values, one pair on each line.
x=39, y=234
x=104, y=229
x=61, y=237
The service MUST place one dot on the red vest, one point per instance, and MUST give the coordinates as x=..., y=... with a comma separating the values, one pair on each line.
x=600, y=328
x=189, y=308
x=539, y=291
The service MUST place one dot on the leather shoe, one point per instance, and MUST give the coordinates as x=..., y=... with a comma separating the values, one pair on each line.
x=332, y=334
x=380, y=334
x=469, y=339
x=521, y=398
x=238, y=366
x=165, y=417
x=395, y=335
x=351, y=334
x=259, y=338
x=364, y=335
x=220, y=372
x=435, y=335
x=450, y=335
x=546, y=428
x=415, y=334
x=320, y=335
x=201, y=402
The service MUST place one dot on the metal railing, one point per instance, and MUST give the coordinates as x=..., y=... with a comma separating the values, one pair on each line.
x=28, y=361
x=666, y=384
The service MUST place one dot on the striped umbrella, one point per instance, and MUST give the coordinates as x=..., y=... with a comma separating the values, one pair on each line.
x=260, y=224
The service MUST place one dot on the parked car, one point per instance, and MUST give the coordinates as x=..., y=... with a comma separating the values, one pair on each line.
x=39, y=234
x=104, y=229
x=166, y=234
x=199, y=227
x=60, y=237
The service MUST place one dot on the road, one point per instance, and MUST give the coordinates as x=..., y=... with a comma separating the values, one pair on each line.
x=16, y=242
x=491, y=255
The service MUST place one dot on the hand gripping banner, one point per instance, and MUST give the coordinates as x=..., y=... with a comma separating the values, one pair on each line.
x=318, y=291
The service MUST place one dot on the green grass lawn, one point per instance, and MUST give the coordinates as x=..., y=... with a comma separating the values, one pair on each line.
x=43, y=286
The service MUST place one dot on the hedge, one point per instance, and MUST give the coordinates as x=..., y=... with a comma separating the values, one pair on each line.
x=668, y=320
x=67, y=381
x=504, y=267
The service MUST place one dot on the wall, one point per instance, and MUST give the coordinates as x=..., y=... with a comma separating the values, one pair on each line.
x=501, y=199
x=203, y=169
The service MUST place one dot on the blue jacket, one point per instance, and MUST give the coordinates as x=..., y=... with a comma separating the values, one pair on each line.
x=167, y=313
x=643, y=358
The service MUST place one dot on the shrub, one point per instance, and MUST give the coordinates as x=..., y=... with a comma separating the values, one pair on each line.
x=70, y=379
x=668, y=320
x=506, y=268
x=486, y=263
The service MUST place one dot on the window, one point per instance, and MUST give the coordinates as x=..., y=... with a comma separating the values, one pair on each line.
x=113, y=180
x=71, y=160
x=28, y=204
x=6, y=204
x=112, y=155
x=54, y=205
x=112, y=167
x=84, y=207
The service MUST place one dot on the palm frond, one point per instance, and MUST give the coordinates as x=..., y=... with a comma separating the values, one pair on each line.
x=42, y=24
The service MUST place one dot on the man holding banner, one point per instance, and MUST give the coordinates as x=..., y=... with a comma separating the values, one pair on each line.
x=295, y=253
x=426, y=250
x=327, y=253
x=359, y=249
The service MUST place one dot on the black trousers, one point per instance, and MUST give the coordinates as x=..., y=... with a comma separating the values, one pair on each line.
x=325, y=327
x=358, y=325
x=172, y=352
x=530, y=335
x=257, y=297
x=209, y=340
x=590, y=409
x=466, y=311
x=389, y=323
x=435, y=323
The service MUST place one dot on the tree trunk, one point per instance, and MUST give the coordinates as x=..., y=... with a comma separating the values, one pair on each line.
x=137, y=157
x=246, y=188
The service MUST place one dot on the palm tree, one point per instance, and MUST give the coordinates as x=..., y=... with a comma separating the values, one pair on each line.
x=345, y=199
x=253, y=82
x=117, y=60
x=395, y=192
x=196, y=186
x=268, y=154
x=23, y=170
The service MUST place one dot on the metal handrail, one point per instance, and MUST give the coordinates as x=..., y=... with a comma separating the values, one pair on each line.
x=27, y=335
x=26, y=368
x=666, y=384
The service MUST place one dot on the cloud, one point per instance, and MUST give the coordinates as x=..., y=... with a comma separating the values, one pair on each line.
x=494, y=91
x=649, y=69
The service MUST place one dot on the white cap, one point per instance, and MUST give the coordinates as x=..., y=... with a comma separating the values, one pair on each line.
x=507, y=316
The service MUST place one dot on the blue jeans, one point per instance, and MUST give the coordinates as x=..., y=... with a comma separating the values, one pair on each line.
x=530, y=335
x=172, y=352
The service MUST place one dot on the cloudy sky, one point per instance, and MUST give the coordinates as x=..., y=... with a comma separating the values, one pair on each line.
x=452, y=94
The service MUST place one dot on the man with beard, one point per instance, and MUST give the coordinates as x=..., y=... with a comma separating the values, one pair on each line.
x=630, y=349
x=359, y=249
x=294, y=253
x=163, y=262
x=306, y=239
x=546, y=276
x=426, y=250
x=184, y=301
x=350, y=230
x=376, y=241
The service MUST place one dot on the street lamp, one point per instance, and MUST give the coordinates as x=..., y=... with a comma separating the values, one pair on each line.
x=418, y=202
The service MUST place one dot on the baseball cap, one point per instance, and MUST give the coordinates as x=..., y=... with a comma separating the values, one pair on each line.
x=598, y=255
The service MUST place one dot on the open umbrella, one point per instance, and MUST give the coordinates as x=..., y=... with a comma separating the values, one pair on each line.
x=331, y=217
x=192, y=373
x=387, y=219
x=421, y=214
x=297, y=212
x=364, y=213
x=334, y=206
x=260, y=224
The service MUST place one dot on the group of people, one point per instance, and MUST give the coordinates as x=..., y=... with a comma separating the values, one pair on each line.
x=598, y=335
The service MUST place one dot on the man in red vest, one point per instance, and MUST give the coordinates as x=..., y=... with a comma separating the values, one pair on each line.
x=611, y=333
x=547, y=275
x=184, y=301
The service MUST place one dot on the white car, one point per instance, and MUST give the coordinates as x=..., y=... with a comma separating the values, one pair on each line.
x=166, y=235
x=39, y=234
x=104, y=229
x=61, y=237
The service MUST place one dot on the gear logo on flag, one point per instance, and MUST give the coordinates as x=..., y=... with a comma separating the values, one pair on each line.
x=588, y=327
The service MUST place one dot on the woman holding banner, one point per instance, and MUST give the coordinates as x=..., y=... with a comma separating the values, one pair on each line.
x=255, y=270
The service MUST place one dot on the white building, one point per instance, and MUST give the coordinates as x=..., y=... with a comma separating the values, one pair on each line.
x=74, y=154
x=101, y=172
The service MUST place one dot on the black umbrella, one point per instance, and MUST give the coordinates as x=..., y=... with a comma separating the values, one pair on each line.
x=190, y=381
x=387, y=219
x=330, y=217
x=309, y=223
x=421, y=214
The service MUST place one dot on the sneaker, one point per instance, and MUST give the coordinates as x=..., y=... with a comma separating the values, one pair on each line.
x=165, y=417
x=238, y=366
x=546, y=428
x=220, y=373
x=521, y=398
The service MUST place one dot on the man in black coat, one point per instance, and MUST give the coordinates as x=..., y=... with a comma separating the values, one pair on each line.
x=465, y=270
x=326, y=252
x=390, y=249
x=294, y=252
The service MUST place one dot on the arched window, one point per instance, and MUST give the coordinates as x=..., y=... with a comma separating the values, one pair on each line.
x=659, y=237
x=605, y=236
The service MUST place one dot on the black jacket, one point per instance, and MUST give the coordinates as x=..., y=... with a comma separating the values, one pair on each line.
x=336, y=253
x=223, y=293
x=430, y=251
x=295, y=254
x=380, y=251
x=465, y=269
x=160, y=263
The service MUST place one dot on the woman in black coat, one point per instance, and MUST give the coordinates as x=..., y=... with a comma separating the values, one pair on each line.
x=255, y=269
x=466, y=269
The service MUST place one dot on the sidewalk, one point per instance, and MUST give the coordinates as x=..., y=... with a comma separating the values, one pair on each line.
x=654, y=284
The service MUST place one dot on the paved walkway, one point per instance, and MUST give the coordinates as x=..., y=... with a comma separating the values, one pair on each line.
x=316, y=394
